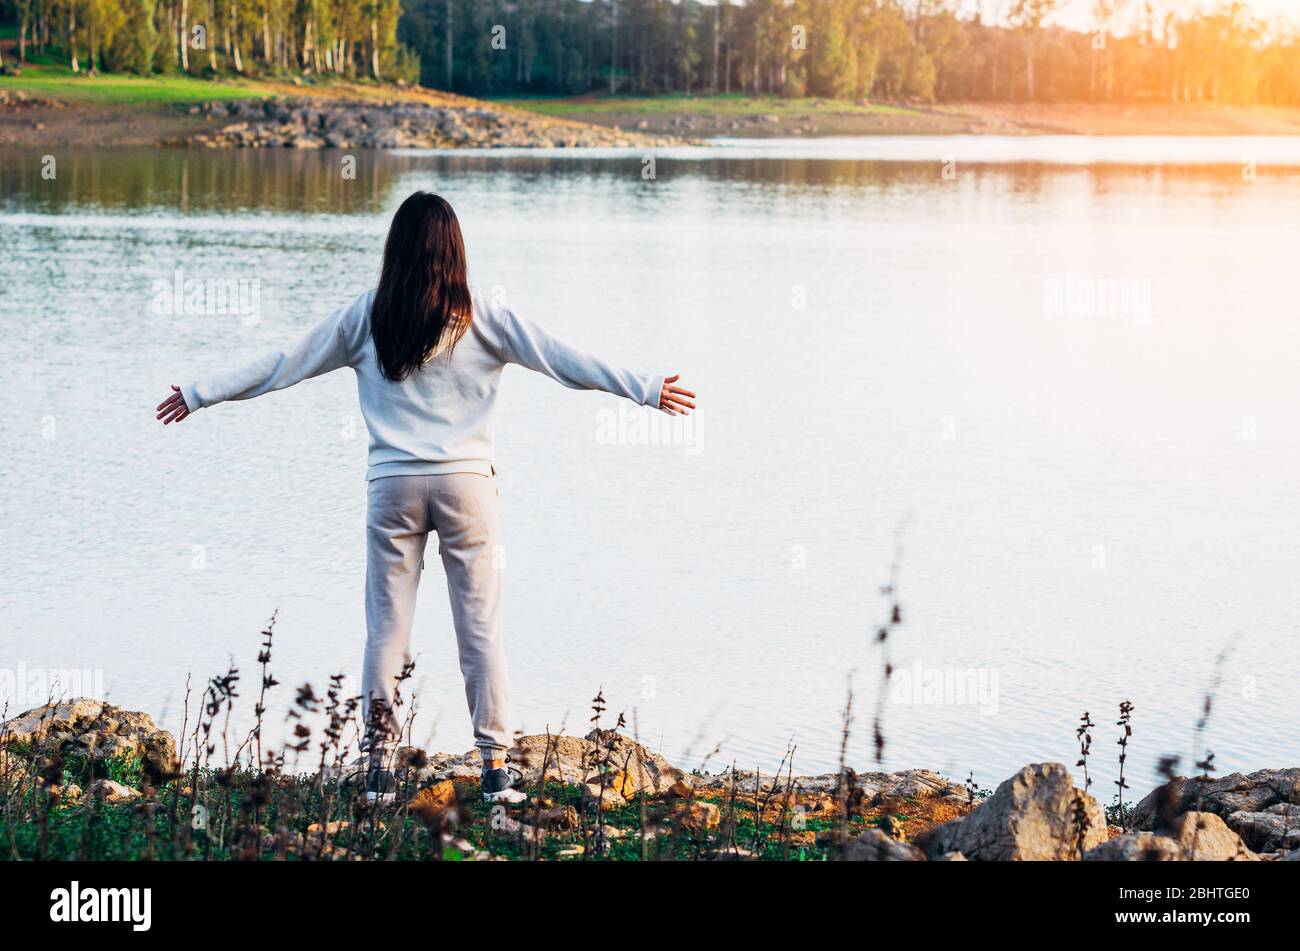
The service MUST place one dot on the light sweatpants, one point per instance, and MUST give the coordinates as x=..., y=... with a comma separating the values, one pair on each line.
x=462, y=509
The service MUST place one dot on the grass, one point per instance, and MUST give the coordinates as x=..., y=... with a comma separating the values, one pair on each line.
x=257, y=804
x=48, y=77
x=734, y=104
x=59, y=82
x=265, y=815
x=101, y=831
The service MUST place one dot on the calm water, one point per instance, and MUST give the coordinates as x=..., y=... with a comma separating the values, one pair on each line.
x=1079, y=379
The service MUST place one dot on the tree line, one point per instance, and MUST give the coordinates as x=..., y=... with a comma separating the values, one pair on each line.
x=345, y=38
x=919, y=50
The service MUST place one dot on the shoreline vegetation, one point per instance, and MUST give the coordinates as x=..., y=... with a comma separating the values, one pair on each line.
x=57, y=109
x=83, y=779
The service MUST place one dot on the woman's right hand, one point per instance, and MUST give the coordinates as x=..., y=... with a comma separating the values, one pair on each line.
x=173, y=409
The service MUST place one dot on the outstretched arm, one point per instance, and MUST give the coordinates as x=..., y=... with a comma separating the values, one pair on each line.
x=525, y=343
x=321, y=350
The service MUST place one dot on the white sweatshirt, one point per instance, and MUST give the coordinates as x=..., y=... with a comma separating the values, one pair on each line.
x=439, y=419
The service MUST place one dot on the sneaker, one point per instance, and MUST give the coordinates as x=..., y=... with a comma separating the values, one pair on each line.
x=381, y=785
x=499, y=785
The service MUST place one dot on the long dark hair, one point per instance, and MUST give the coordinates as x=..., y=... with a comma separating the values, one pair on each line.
x=423, y=303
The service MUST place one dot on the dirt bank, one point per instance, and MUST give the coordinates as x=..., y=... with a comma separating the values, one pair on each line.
x=279, y=114
x=763, y=117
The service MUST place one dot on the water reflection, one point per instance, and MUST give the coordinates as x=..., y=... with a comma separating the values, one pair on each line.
x=330, y=182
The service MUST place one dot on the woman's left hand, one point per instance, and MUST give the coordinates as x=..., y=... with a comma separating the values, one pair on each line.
x=674, y=400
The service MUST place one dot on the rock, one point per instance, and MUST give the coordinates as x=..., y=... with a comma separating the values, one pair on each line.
x=874, y=846
x=950, y=857
x=1292, y=856
x=509, y=825
x=392, y=139
x=1223, y=796
x=435, y=805
x=1197, y=837
x=558, y=819
x=1205, y=837
x=1275, y=829
x=698, y=816
x=607, y=797
x=1136, y=847
x=875, y=787
x=447, y=766
x=97, y=729
x=110, y=791
x=339, y=123
x=331, y=828
x=1036, y=815
x=679, y=790
x=910, y=784
x=571, y=760
x=620, y=782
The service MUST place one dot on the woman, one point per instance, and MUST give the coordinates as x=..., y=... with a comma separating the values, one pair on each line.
x=428, y=355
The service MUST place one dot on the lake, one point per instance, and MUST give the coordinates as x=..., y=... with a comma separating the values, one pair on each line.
x=1062, y=375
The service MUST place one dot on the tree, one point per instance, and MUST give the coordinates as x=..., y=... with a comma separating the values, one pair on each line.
x=830, y=73
x=1028, y=16
x=131, y=48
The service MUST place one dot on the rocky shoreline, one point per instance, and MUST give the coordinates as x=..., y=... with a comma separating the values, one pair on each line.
x=913, y=815
x=307, y=123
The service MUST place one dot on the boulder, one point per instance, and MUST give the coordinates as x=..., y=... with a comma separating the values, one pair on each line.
x=435, y=805
x=1206, y=838
x=1195, y=836
x=1236, y=792
x=1136, y=847
x=574, y=760
x=607, y=797
x=110, y=791
x=558, y=819
x=909, y=784
x=1036, y=815
x=698, y=815
x=874, y=846
x=1276, y=829
x=95, y=728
